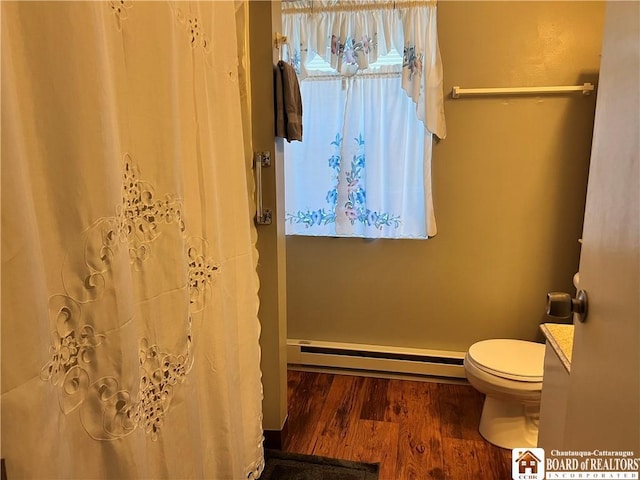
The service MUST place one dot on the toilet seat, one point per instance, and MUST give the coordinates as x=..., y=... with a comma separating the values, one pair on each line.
x=509, y=359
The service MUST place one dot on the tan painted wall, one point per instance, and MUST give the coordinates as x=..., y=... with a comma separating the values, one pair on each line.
x=509, y=191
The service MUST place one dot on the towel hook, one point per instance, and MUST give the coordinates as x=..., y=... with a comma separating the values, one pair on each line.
x=280, y=41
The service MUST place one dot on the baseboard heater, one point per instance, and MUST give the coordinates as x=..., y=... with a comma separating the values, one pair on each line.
x=379, y=358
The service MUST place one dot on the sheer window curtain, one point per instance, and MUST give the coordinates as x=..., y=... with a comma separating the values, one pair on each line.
x=129, y=289
x=364, y=166
x=344, y=160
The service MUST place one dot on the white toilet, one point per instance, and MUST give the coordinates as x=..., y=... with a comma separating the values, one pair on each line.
x=509, y=373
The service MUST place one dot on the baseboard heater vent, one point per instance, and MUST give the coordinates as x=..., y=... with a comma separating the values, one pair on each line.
x=381, y=358
x=386, y=355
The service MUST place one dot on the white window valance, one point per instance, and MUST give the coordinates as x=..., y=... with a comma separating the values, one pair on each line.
x=350, y=35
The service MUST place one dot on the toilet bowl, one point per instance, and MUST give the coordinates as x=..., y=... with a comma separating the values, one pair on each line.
x=509, y=373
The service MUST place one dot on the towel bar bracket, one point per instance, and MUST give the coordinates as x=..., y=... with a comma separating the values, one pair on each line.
x=261, y=159
x=264, y=158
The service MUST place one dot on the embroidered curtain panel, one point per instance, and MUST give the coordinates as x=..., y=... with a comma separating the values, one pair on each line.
x=364, y=167
x=341, y=178
x=129, y=290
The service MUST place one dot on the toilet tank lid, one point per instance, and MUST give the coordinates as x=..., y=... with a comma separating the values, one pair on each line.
x=511, y=357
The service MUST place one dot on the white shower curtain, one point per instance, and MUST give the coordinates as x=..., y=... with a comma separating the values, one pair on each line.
x=129, y=292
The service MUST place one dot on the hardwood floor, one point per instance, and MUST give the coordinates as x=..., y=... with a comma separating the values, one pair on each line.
x=415, y=430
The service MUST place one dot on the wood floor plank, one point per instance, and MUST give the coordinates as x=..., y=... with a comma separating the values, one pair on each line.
x=372, y=441
x=293, y=380
x=460, y=408
x=307, y=395
x=375, y=398
x=503, y=455
x=470, y=459
x=339, y=413
x=414, y=407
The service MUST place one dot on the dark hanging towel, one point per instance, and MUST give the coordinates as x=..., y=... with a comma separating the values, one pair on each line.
x=288, y=103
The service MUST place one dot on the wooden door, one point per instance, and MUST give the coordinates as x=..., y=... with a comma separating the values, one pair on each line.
x=603, y=410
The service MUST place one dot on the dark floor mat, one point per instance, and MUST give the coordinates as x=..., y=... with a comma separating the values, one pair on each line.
x=294, y=466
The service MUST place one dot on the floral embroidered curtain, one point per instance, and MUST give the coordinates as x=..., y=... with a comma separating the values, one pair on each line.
x=364, y=167
x=350, y=177
x=351, y=34
x=129, y=289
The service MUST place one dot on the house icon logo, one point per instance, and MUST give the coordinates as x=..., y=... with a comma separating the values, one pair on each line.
x=527, y=464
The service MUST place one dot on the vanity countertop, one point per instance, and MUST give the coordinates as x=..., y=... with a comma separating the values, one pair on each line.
x=560, y=337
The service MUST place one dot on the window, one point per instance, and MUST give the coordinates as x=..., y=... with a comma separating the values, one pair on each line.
x=363, y=168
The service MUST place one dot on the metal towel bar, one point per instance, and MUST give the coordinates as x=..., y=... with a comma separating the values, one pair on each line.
x=457, y=92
